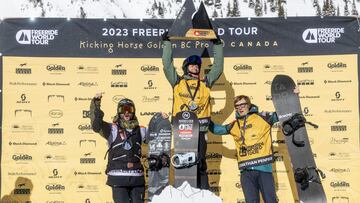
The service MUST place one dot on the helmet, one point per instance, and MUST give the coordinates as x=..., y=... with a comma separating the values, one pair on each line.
x=193, y=59
x=126, y=105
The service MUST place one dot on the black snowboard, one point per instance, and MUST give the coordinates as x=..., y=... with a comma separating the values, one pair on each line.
x=159, y=144
x=186, y=138
x=288, y=109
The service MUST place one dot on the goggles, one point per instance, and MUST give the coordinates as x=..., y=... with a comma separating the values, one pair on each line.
x=126, y=108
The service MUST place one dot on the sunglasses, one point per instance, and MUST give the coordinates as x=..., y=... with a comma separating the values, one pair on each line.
x=194, y=59
x=241, y=105
x=126, y=108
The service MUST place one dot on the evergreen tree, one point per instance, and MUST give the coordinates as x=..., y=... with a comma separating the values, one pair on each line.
x=265, y=7
x=82, y=12
x=215, y=14
x=251, y=4
x=281, y=11
x=346, y=9
x=228, y=10
x=235, y=11
x=258, y=8
x=354, y=10
x=318, y=10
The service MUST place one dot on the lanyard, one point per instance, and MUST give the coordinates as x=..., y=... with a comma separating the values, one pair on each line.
x=242, y=130
x=196, y=89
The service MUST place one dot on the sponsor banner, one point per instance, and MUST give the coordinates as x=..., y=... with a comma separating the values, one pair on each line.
x=52, y=69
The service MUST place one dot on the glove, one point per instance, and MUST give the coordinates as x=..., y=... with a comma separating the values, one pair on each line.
x=165, y=36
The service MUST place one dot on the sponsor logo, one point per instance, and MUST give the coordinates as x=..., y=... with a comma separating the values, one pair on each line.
x=22, y=143
x=150, y=85
x=153, y=99
x=55, y=143
x=86, y=173
x=242, y=68
x=118, y=70
x=213, y=156
x=147, y=113
x=337, y=81
x=36, y=37
x=55, y=98
x=273, y=68
x=88, y=84
x=16, y=128
x=337, y=66
x=340, y=170
x=86, y=114
x=22, y=189
x=339, y=156
x=54, y=187
x=214, y=172
x=117, y=98
x=22, y=69
x=87, y=188
x=149, y=69
x=23, y=83
x=87, y=142
x=55, y=129
x=23, y=99
x=310, y=97
x=322, y=35
x=22, y=173
x=337, y=110
x=49, y=158
x=85, y=128
x=305, y=82
x=23, y=113
x=340, y=199
x=338, y=97
x=55, y=174
x=55, y=84
x=339, y=184
x=21, y=157
x=242, y=83
x=338, y=126
x=87, y=70
x=55, y=113
x=82, y=98
x=87, y=159
x=55, y=69
x=307, y=112
x=118, y=84
x=335, y=140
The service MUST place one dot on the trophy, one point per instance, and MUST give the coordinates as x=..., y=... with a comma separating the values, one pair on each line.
x=191, y=24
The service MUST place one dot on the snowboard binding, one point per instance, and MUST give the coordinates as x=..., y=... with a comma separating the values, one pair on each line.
x=157, y=162
x=292, y=124
x=183, y=160
x=307, y=175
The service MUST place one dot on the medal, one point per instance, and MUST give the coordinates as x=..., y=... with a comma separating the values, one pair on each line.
x=192, y=106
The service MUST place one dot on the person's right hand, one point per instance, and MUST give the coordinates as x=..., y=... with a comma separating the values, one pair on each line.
x=165, y=36
x=99, y=95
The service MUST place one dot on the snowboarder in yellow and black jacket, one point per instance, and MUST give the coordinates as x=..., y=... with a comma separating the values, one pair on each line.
x=251, y=131
x=190, y=93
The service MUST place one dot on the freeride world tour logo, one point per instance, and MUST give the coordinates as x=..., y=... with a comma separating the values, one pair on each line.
x=322, y=35
x=36, y=37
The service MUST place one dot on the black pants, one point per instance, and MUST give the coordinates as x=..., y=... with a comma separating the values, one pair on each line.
x=202, y=177
x=128, y=194
x=253, y=181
